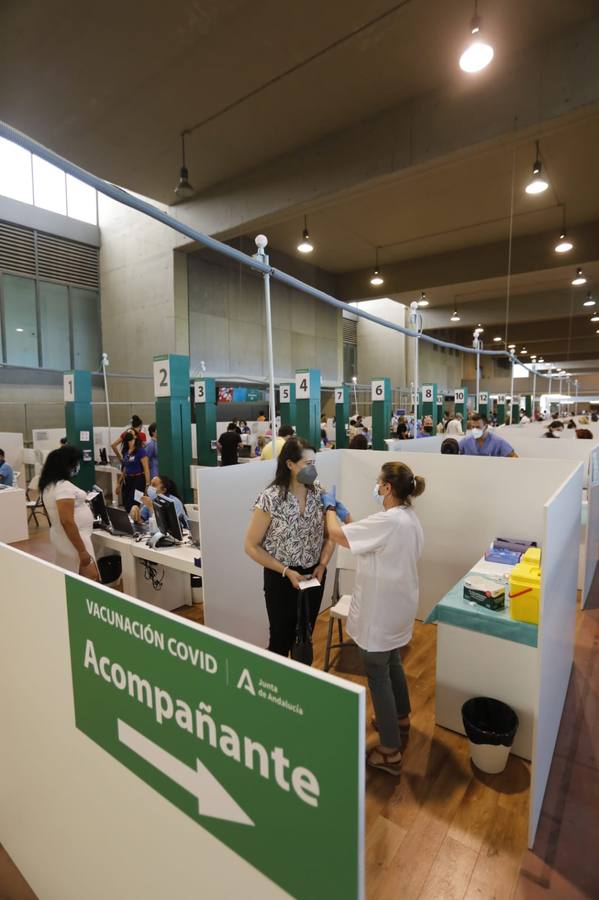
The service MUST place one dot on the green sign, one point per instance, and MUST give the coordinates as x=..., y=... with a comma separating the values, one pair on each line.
x=266, y=757
x=254, y=395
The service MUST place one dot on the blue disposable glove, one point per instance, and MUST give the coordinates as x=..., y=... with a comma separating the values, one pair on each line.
x=329, y=498
x=342, y=511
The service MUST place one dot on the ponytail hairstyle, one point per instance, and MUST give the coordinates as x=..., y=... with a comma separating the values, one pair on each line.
x=404, y=484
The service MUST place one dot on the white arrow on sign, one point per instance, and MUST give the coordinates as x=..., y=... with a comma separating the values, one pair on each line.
x=213, y=799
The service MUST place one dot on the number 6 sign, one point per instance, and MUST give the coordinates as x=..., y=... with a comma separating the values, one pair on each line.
x=378, y=390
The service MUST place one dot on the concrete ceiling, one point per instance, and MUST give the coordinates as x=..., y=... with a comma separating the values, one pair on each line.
x=112, y=85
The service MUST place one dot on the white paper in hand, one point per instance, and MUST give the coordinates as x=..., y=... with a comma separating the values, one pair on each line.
x=138, y=496
x=310, y=583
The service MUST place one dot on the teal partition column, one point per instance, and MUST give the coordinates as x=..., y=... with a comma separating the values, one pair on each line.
x=307, y=401
x=429, y=401
x=483, y=403
x=440, y=407
x=460, y=397
x=287, y=407
x=381, y=412
x=515, y=411
x=80, y=424
x=527, y=404
x=204, y=398
x=501, y=409
x=173, y=419
x=341, y=417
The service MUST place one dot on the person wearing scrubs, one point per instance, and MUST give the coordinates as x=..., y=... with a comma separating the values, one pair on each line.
x=6, y=472
x=160, y=486
x=482, y=442
x=387, y=546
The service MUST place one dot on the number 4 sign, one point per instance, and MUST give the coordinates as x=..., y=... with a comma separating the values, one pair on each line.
x=302, y=386
x=162, y=377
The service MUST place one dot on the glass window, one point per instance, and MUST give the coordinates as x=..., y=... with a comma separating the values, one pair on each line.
x=15, y=172
x=54, y=325
x=81, y=201
x=49, y=187
x=85, y=312
x=20, y=320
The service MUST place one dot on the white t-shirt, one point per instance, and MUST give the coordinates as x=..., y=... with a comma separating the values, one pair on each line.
x=454, y=427
x=84, y=520
x=384, y=603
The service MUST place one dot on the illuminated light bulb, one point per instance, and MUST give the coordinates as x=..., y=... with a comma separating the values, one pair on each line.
x=589, y=301
x=478, y=54
x=423, y=299
x=454, y=317
x=376, y=279
x=579, y=278
x=563, y=245
x=537, y=183
x=595, y=318
x=497, y=339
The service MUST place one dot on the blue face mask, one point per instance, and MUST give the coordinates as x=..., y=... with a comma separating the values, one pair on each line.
x=378, y=498
x=152, y=492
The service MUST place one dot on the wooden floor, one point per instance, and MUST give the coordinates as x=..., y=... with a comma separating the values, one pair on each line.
x=445, y=831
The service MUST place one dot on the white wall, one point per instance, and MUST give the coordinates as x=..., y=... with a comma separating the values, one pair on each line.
x=382, y=351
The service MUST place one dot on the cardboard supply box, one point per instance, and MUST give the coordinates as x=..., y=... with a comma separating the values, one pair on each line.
x=525, y=587
x=485, y=592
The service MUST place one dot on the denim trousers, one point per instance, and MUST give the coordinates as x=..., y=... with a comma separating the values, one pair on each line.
x=389, y=690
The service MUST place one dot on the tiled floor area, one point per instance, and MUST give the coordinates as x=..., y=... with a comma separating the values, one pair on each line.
x=444, y=831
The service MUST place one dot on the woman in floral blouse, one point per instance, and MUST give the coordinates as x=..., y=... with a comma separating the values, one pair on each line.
x=287, y=536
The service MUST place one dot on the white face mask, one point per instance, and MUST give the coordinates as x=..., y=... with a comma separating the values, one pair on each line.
x=477, y=433
x=378, y=498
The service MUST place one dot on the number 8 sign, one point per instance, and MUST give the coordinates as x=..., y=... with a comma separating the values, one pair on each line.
x=427, y=393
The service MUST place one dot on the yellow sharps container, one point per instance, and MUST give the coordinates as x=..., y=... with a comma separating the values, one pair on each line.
x=525, y=587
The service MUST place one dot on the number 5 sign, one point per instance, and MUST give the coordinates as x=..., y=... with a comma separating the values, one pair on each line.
x=162, y=377
x=302, y=386
x=378, y=390
x=285, y=393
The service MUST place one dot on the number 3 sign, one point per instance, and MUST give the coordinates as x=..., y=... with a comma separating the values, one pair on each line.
x=200, y=391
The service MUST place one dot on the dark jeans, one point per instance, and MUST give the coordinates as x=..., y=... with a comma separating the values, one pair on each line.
x=389, y=690
x=132, y=483
x=281, y=605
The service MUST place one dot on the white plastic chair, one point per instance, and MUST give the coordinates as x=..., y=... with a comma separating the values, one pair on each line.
x=337, y=613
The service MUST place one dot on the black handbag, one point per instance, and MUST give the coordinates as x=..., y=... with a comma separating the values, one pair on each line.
x=302, y=649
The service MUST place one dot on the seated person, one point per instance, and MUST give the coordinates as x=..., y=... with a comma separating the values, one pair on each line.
x=584, y=434
x=451, y=446
x=228, y=444
x=283, y=435
x=554, y=430
x=6, y=472
x=524, y=419
x=359, y=442
x=163, y=486
x=261, y=442
x=482, y=442
x=245, y=429
x=402, y=431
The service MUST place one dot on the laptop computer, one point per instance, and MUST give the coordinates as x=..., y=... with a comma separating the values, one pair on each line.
x=121, y=524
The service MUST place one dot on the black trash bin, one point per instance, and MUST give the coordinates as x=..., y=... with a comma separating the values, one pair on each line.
x=110, y=568
x=491, y=727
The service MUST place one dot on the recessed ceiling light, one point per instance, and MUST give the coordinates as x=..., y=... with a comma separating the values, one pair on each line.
x=579, y=278
x=537, y=183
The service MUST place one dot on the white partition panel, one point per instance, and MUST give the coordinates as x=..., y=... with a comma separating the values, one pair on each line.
x=592, y=526
x=431, y=444
x=468, y=501
x=47, y=439
x=12, y=444
x=556, y=630
x=233, y=583
x=75, y=822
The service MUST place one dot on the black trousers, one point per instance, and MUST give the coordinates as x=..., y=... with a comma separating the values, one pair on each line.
x=281, y=605
x=132, y=483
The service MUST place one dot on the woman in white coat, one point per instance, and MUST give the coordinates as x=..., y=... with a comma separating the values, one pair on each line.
x=387, y=546
x=70, y=517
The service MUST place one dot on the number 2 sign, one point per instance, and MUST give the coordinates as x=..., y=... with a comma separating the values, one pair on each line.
x=162, y=377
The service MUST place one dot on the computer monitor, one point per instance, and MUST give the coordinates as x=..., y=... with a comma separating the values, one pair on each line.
x=167, y=518
x=98, y=506
x=120, y=523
